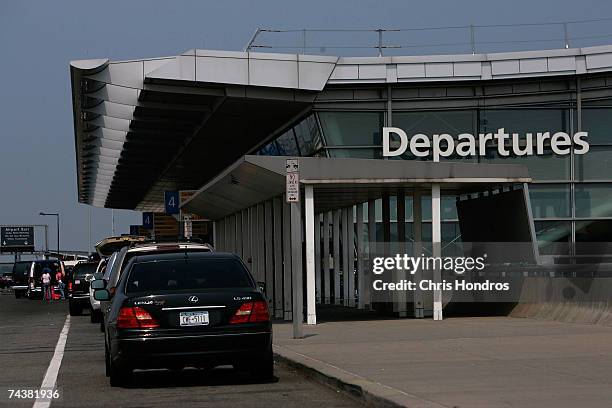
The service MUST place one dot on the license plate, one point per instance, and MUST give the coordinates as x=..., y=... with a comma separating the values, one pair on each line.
x=194, y=318
x=77, y=281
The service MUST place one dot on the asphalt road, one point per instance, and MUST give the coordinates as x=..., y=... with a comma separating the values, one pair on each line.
x=29, y=331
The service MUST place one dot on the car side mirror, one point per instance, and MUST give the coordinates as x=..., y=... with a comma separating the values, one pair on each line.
x=101, y=294
x=98, y=284
x=262, y=286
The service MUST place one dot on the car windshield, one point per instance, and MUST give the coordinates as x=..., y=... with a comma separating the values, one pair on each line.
x=80, y=270
x=187, y=275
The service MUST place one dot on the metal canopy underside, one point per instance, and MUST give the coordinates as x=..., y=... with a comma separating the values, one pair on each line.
x=341, y=182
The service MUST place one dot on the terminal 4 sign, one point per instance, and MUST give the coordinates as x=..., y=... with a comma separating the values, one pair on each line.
x=466, y=144
x=17, y=239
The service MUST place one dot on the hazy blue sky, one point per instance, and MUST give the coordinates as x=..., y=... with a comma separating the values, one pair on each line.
x=39, y=38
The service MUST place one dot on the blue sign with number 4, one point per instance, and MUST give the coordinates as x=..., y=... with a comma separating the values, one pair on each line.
x=147, y=220
x=171, y=200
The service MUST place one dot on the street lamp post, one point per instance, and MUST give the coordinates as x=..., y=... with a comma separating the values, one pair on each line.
x=58, y=230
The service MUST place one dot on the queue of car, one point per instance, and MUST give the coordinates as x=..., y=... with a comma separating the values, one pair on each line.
x=165, y=305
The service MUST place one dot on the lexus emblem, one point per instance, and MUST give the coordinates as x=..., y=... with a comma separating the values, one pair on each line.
x=193, y=299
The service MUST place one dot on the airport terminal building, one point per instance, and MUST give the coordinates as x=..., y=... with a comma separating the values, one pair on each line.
x=222, y=123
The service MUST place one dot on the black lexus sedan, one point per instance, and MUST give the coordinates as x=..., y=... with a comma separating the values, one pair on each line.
x=186, y=309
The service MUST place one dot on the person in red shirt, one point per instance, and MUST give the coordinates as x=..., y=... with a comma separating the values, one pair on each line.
x=59, y=278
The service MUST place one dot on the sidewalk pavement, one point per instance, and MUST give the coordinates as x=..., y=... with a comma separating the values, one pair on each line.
x=459, y=362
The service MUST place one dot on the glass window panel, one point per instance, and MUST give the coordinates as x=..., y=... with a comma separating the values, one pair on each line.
x=544, y=167
x=524, y=120
x=596, y=121
x=450, y=232
x=553, y=237
x=448, y=210
x=594, y=237
x=271, y=149
x=550, y=200
x=307, y=135
x=356, y=153
x=352, y=128
x=595, y=165
x=593, y=200
x=436, y=122
x=286, y=144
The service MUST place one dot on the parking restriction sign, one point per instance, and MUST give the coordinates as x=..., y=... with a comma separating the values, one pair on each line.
x=293, y=180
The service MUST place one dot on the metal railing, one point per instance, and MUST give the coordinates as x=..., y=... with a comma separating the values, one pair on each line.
x=474, y=38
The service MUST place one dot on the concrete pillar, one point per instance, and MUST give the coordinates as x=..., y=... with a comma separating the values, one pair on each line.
x=317, y=249
x=296, y=269
x=253, y=239
x=269, y=257
x=238, y=236
x=436, y=234
x=351, y=256
x=221, y=234
x=214, y=235
x=278, y=257
x=287, y=303
x=345, y=257
x=337, y=256
x=371, y=246
x=400, y=246
x=246, y=238
x=261, y=248
x=360, y=256
x=386, y=225
x=326, y=278
x=309, y=218
x=227, y=236
x=417, y=229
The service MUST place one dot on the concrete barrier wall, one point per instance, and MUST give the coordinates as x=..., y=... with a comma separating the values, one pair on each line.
x=575, y=300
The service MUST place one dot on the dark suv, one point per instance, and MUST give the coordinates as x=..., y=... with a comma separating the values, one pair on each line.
x=21, y=278
x=35, y=277
x=78, y=286
x=186, y=309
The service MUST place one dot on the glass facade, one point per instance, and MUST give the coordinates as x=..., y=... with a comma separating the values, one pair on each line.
x=571, y=195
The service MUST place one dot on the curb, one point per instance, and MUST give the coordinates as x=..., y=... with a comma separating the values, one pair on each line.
x=369, y=392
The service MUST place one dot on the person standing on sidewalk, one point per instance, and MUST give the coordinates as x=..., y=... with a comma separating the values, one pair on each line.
x=46, y=284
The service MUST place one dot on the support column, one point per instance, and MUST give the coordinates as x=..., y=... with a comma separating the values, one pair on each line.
x=309, y=216
x=278, y=257
x=436, y=235
x=296, y=269
x=269, y=258
x=345, y=258
x=287, y=302
x=386, y=224
x=417, y=228
x=326, y=279
x=337, y=256
x=317, y=250
x=246, y=239
x=238, y=236
x=215, y=236
x=253, y=239
x=261, y=249
x=221, y=234
x=401, y=249
x=351, y=256
x=360, y=253
x=371, y=245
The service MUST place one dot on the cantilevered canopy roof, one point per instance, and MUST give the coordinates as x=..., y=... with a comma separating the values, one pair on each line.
x=142, y=127
x=341, y=182
x=145, y=126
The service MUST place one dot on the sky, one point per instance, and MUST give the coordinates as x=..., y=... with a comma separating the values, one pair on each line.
x=39, y=38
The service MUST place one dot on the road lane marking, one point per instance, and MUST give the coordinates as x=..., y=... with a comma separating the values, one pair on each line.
x=54, y=366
